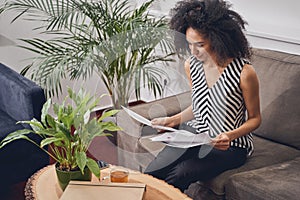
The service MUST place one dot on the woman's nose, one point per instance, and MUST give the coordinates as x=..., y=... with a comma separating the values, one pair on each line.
x=194, y=49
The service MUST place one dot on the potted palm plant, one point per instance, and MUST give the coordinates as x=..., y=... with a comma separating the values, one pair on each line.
x=110, y=38
x=68, y=135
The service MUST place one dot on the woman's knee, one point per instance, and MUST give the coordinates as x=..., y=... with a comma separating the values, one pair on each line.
x=179, y=177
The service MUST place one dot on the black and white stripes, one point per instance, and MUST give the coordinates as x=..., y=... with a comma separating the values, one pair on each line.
x=220, y=108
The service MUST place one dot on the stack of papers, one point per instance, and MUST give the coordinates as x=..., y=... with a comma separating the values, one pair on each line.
x=175, y=138
x=78, y=190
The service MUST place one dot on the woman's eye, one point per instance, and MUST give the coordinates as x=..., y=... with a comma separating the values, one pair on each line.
x=198, y=45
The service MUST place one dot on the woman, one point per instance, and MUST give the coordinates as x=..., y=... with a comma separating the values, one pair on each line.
x=225, y=94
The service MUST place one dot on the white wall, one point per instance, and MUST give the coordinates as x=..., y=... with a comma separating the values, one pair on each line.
x=272, y=24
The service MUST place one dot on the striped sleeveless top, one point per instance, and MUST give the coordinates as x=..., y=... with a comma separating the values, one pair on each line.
x=220, y=108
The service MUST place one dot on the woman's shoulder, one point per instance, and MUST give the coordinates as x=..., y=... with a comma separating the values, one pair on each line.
x=248, y=74
x=248, y=69
x=190, y=59
x=187, y=61
x=244, y=65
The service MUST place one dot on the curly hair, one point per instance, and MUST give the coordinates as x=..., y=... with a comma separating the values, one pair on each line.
x=213, y=19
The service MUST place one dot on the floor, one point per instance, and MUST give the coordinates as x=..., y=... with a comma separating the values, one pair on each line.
x=15, y=192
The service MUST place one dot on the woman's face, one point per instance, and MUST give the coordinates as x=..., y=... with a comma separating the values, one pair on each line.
x=198, y=45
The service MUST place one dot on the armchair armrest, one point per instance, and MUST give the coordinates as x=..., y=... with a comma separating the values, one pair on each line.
x=20, y=99
x=128, y=139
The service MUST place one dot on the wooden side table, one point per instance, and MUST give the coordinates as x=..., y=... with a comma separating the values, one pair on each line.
x=43, y=186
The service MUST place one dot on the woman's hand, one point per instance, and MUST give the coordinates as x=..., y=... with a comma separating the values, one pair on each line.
x=221, y=142
x=161, y=121
x=174, y=120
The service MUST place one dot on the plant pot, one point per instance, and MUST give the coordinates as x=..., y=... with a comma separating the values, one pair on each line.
x=64, y=177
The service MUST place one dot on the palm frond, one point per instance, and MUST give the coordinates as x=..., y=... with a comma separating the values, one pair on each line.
x=106, y=37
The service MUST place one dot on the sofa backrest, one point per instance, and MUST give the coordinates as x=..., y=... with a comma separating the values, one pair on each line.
x=20, y=97
x=279, y=77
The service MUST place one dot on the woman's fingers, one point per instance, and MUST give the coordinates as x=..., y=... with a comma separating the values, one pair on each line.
x=159, y=121
x=221, y=142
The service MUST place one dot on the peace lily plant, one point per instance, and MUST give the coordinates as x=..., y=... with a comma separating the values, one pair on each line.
x=67, y=136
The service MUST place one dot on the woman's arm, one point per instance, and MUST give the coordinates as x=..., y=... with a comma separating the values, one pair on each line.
x=174, y=120
x=181, y=117
x=250, y=88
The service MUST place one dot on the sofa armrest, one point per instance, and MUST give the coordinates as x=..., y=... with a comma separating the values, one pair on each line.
x=128, y=146
x=20, y=97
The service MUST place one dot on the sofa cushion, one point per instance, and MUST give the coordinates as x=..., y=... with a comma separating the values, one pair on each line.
x=279, y=75
x=280, y=182
x=266, y=153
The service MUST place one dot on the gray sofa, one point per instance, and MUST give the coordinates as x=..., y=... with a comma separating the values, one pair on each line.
x=273, y=171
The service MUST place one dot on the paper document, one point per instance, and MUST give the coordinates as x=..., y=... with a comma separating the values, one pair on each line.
x=144, y=120
x=182, y=139
x=175, y=138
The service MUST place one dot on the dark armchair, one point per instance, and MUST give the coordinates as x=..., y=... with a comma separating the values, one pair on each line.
x=20, y=99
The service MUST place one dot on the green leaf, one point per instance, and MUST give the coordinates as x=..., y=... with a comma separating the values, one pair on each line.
x=50, y=140
x=78, y=120
x=72, y=94
x=45, y=109
x=19, y=134
x=81, y=160
x=50, y=121
x=93, y=166
x=110, y=126
x=36, y=126
x=108, y=114
x=65, y=130
x=86, y=116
